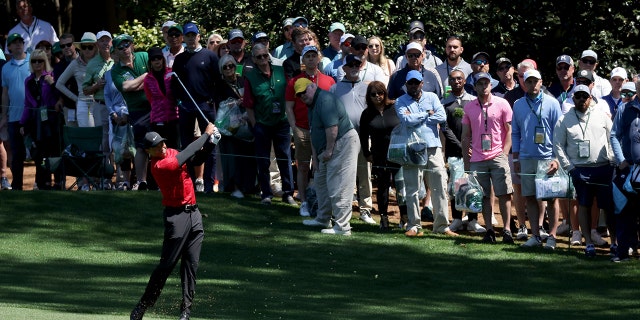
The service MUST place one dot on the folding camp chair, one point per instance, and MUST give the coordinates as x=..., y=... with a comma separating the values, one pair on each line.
x=83, y=156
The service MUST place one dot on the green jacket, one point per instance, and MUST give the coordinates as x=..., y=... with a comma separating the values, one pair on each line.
x=268, y=94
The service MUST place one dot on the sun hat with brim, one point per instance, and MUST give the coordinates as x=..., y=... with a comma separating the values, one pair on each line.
x=87, y=38
x=13, y=37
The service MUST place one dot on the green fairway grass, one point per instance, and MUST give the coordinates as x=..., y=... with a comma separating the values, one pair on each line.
x=88, y=255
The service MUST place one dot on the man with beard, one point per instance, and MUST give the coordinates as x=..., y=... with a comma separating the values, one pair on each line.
x=454, y=59
x=505, y=72
x=564, y=70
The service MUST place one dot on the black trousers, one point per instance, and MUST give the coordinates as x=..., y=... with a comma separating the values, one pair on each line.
x=183, y=234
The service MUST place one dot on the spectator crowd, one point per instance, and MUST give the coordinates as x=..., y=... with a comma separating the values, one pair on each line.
x=314, y=126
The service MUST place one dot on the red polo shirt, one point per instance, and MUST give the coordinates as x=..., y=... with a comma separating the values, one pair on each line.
x=300, y=110
x=174, y=181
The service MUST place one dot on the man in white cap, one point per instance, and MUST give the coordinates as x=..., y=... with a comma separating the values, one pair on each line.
x=618, y=78
x=336, y=30
x=589, y=61
x=582, y=145
x=32, y=29
x=414, y=56
x=534, y=119
x=94, y=83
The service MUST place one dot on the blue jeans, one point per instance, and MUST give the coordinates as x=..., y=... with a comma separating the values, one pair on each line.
x=279, y=136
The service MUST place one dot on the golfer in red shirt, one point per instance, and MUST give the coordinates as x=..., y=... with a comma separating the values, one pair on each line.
x=183, y=231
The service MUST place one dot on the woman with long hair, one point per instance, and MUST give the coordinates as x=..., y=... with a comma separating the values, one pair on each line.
x=376, y=123
x=377, y=56
x=39, y=122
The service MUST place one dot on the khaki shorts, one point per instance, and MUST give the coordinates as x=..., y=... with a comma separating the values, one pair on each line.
x=528, y=168
x=302, y=142
x=494, y=171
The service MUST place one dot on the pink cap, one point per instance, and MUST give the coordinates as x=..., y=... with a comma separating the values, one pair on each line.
x=533, y=62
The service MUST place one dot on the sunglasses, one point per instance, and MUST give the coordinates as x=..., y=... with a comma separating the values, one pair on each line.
x=236, y=41
x=214, y=42
x=353, y=65
x=262, y=56
x=66, y=45
x=588, y=61
x=174, y=35
x=300, y=24
x=627, y=94
x=504, y=67
x=124, y=46
x=371, y=46
x=581, y=95
x=360, y=47
x=480, y=62
x=413, y=55
x=375, y=94
x=560, y=68
x=417, y=36
x=156, y=58
x=37, y=61
x=300, y=94
x=84, y=47
x=229, y=66
x=413, y=82
x=347, y=43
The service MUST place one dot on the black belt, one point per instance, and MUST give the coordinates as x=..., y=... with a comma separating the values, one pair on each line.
x=100, y=101
x=186, y=208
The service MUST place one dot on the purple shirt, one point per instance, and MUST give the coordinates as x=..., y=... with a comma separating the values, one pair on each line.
x=499, y=113
x=48, y=95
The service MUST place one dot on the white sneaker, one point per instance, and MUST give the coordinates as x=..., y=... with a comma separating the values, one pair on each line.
x=365, y=216
x=563, y=228
x=304, y=209
x=316, y=223
x=597, y=239
x=336, y=232
x=523, y=233
x=475, y=227
x=576, y=238
x=455, y=225
x=532, y=242
x=237, y=194
x=543, y=233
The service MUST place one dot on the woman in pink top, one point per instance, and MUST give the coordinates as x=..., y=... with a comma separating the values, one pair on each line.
x=164, y=108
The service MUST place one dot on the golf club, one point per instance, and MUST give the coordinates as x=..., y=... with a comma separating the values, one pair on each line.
x=215, y=138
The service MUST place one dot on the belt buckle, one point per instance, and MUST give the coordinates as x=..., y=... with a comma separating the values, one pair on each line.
x=190, y=207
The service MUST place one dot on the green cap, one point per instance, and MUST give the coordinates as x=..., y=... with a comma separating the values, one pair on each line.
x=119, y=39
x=13, y=37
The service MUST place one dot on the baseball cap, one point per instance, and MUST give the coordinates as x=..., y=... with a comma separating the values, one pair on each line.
x=416, y=26
x=358, y=40
x=309, y=48
x=301, y=19
x=533, y=62
x=351, y=58
x=481, y=75
x=287, y=22
x=532, y=73
x=631, y=86
x=345, y=37
x=589, y=53
x=503, y=60
x=587, y=74
x=564, y=59
x=414, y=46
x=235, y=33
x=301, y=85
x=618, y=72
x=337, y=26
x=155, y=52
x=168, y=24
x=414, y=74
x=481, y=53
x=178, y=27
x=190, y=27
x=259, y=35
x=13, y=37
x=121, y=38
x=103, y=33
x=152, y=139
x=581, y=88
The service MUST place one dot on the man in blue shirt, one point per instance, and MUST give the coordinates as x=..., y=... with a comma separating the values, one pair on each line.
x=14, y=73
x=424, y=112
x=534, y=118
